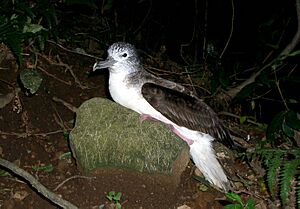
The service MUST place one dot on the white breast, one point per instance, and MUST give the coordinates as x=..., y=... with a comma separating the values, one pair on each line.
x=129, y=96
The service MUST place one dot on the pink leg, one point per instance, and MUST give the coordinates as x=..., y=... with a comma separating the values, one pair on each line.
x=190, y=142
x=149, y=117
x=144, y=117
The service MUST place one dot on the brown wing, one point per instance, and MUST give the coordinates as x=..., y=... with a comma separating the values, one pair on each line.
x=186, y=111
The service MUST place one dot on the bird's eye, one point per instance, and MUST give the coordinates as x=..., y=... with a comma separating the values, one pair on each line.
x=124, y=55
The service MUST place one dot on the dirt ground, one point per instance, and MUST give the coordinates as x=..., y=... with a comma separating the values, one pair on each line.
x=33, y=136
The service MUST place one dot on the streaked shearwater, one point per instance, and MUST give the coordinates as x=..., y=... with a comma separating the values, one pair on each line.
x=152, y=97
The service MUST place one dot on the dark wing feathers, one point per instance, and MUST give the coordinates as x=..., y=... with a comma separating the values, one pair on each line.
x=186, y=111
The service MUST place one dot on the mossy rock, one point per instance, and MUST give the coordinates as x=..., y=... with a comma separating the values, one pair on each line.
x=109, y=135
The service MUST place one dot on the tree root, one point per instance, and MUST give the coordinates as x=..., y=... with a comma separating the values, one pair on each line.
x=41, y=189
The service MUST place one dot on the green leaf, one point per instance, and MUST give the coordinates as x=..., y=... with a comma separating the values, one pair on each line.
x=250, y=204
x=107, y=5
x=233, y=206
x=110, y=195
x=292, y=120
x=246, y=91
x=243, y=119
x=32, y=28
x=287, y=130
x=118, y=205
x=295, y=53
x=275, y=126
x=252, y=104
x=234, y=197
x=3, y=173
x=66, y=135
x=46, y=168
x=118, y=196
x=65, y=155
x=264, y=78
x=31, y=80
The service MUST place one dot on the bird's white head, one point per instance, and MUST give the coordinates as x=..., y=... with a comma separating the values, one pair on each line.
x=122, y=57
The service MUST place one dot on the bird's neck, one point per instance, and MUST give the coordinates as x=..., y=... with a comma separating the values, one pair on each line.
x=125, y=68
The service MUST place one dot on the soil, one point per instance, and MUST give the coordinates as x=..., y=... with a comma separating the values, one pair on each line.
x=34, y=136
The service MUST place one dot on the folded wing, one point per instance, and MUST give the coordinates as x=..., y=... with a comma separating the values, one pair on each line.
x=187, y=111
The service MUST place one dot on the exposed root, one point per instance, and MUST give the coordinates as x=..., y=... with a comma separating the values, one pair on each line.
x=40, y=188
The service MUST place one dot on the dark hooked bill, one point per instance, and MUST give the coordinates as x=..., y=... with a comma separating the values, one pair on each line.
x=103, y=64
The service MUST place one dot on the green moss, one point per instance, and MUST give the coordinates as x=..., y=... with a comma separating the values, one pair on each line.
x=109, y=135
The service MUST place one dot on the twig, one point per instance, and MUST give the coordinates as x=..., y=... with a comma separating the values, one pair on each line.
x=280, y=92
x=44, y=71
x=200, y=87
x=41, y=189
x=293, y=69
x=250, y=193
x=23, y=135
x=66, y=104
x=59, y=121
x=67, y=67
x=191, y=81
x=244, y=71
x=77, y=80
x=57, y=118
x=160, y=71
x=278, y=43
x=72, y=177
x=231, y=31
x=6, y=82
x=261, y=96
x=296, y=39
x=234, y=91
x=72, y=51
x=238, y=117
x=288, y=49
x=193, y=34
x=145, y=18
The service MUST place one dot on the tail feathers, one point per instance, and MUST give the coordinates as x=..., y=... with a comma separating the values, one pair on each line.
x=205, y=159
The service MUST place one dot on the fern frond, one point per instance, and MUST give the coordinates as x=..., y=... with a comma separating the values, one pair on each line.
x=295, y=152
x=273, y=165
x=14, y=42
x=288, y=172
x=298, y=192
x=11, y=36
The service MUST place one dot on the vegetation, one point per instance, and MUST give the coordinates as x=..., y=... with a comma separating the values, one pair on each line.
x=46, y=168
x=282, y=168
x=234, y=81
x=22, y=21
x=115, y=198
x=238, y=203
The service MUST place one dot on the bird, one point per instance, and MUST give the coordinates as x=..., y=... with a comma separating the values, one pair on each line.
x=188, y=116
